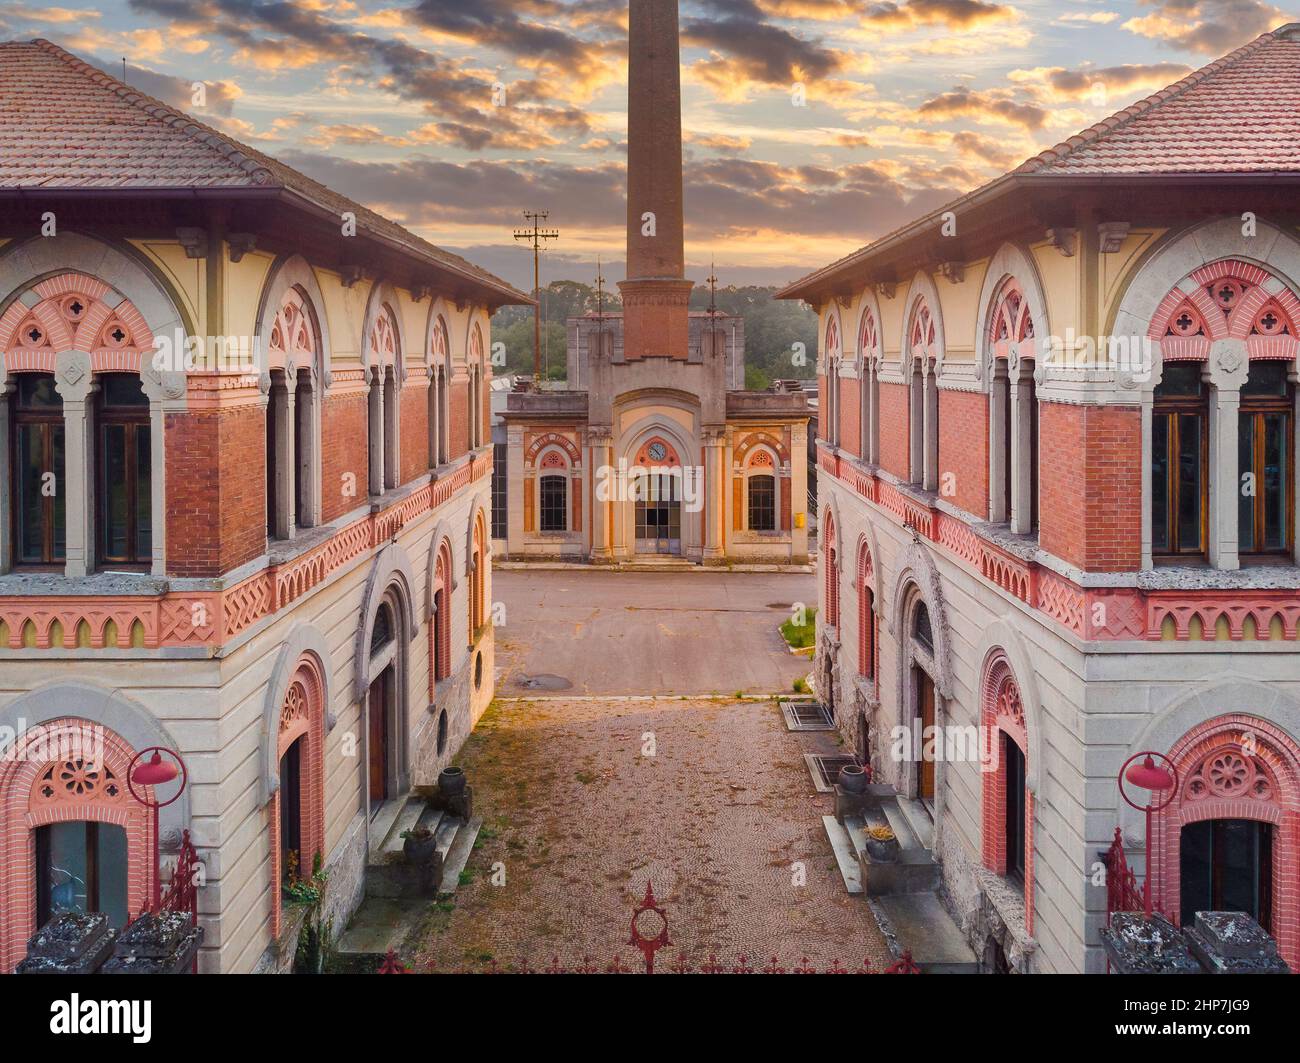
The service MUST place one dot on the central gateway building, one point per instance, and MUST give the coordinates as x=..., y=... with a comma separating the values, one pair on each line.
x=652, y=448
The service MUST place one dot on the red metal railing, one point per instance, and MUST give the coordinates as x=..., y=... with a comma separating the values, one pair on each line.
x=1122, y=892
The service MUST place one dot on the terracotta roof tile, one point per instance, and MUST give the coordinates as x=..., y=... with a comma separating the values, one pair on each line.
x=67, y=124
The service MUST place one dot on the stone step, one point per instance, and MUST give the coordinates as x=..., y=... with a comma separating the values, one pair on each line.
x=458, y=856
x=448, y=827
x=918, y=818
x=900, y=825
x=919, y=923
x=381, y=822
x=379, y=924
x=846, y=855
x=407, y=819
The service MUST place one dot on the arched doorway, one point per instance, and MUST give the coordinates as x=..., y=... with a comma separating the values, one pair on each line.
x=1230, y=841
x=657, y=498
x=382, y=716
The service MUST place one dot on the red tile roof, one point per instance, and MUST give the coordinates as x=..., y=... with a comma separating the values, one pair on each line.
x=1239, y=115
x=67, y=124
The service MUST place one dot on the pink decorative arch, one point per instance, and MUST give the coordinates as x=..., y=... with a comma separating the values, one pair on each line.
x=476, y=344
x=1229, y=301
x=832, y=336
x=756, y=439
x=1002, y=712
x=867, y=335
x=1238, y=767
x=302, y=716
x=68, y=769
x=921, y=337
x=75, y=313
x=293, y=340
x=669, y=461
x=382, y=343
x=1010, y=323
x=552, y=439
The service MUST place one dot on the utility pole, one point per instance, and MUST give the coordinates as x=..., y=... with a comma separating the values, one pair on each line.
x=537, y=236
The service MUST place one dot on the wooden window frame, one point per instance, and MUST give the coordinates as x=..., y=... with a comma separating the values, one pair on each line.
x=49, y=419
x=1174, y=407
x=1258, y=407
x=132, y=419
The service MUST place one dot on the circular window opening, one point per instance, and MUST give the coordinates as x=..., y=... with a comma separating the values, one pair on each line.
x=478, y=670
x=442, y=732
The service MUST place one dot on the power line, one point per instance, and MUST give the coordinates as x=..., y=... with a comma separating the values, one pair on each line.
x=537, y=236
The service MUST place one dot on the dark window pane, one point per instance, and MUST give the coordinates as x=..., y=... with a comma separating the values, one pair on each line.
x=143, y=494
x=500, y=492
x=1276, y=476
x=31, y=465
x=1189, y=483
x=1180, y=378
x=114, y=491
x=554, y=503
x=762, y=503
x=1247, y=482
x=921, y=628
x=58, y=504
x=122, y=390
x=1266, y=378
x=36, y=392
x=1160, y=483
x=382, y=633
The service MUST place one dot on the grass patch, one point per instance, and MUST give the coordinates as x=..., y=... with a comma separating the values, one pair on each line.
x=800, y=636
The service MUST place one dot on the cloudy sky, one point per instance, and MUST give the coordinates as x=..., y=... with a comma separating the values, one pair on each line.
x=812, y=126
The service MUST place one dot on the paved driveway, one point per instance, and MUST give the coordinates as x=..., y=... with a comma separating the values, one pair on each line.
x=593, y=632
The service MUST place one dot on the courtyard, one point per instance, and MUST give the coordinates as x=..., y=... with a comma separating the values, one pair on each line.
x=587, y=795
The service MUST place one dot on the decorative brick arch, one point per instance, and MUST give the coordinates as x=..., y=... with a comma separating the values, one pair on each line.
x=923, y=324
x=292, y=282
x=869, y=336
x=301, y=718
x=761, y=439
x=548, y=440
x=75, y=312
x=1238, y=766
x=1228, y=299
x=1002, y=712
x=831, y=339
x=65, y=769
x=1013, y=310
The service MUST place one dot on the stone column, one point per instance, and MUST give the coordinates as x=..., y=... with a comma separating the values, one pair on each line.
x=715, y=486
x=599, y=446
x=799, y=493
x=930, y=437
x=1226, y=371
x=76, y=386
x=1021, y=472
x=376, y=423
x=285, y=459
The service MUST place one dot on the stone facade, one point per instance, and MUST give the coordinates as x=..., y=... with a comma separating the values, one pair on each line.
x=1050, y=622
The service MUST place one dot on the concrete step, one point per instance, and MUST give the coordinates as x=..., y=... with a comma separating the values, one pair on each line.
x=458, y=856
x=919, y=923
x=379, y=924
x=381, y=822
x=900, y=825
x=846, y=855
x=407, y=819
x=918, y=818
x=448, y=826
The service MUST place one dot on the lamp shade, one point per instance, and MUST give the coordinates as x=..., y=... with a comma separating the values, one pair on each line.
x=1149, y=775
x=155, y=771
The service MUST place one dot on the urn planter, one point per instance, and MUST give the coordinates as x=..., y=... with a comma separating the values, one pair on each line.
x=451, y=781
x=853, y=777
x=881, y=845
x=419, y=845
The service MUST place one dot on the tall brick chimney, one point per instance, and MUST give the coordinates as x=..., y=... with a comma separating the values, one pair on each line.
x=656, y=293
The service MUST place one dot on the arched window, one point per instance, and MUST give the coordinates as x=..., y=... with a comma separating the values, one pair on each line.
x=923, y=417
x=478, y=582
x=384, y=359
x=36, y=471
x=554, y=503
x=477, y=373
x=1013, y=412
x=1008, y=827
x=293, y=417
x=1179, y=460
x=440, y=627
x=921, y=629
x=831, y=414
x=866, y=616
x=439, y=355
x=830, y=572
x=762, y=502
x=869, y=388
x=123, y=487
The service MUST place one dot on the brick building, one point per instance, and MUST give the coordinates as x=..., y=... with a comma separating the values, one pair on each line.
x=1058, y=492
x=245, y=472
x=653, y=450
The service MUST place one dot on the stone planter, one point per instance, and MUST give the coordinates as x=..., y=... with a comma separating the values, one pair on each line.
x=418, y=847
x=451, y=782
x=882, y=852
x=853, y=777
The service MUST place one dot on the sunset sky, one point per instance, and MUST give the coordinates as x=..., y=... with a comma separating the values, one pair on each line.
x=908, y=104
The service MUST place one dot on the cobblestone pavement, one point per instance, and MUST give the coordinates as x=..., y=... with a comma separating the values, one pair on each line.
x=718, y=818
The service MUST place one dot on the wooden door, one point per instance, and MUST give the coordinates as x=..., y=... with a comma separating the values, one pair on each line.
x=378, y=713
x=925, y=721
